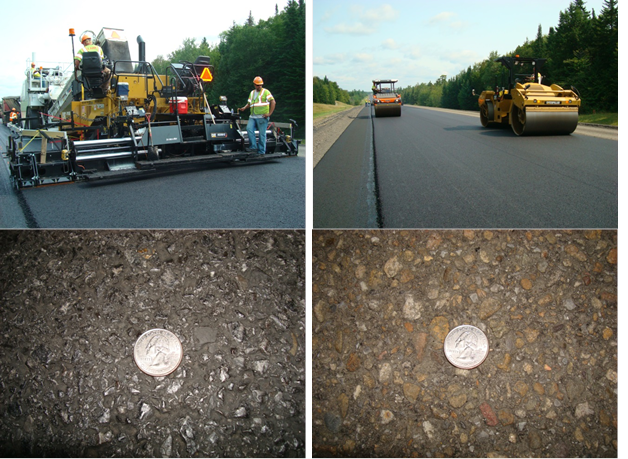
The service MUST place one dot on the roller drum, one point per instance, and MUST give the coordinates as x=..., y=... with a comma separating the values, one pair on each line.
x=387, y=110
x=552, y=122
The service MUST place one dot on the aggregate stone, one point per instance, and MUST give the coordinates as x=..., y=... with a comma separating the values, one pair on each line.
x=73, y=304
x=548, y=387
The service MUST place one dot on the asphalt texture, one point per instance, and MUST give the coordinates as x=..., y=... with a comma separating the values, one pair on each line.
x=73, y=304
x=343, y=180
x=438, y=169
x=383, y=303
x=268, y=195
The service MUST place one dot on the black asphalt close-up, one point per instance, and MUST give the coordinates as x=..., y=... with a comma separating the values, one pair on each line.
x=73, y=304
x=384, y=303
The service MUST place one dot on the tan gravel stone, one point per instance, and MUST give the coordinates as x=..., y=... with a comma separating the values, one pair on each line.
x=411, y=391
x=526, y=283
x=392, y=267
x=521, y=388
x=612, y=256
x=488, y=307
x=439, y=327
x=353, y=363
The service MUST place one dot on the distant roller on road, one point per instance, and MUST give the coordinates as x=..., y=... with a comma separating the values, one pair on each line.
x=386, y=101
x=529, y=106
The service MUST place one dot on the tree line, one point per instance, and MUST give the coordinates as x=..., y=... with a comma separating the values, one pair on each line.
x=325, y=91
x=273, y=49
x=581, y=51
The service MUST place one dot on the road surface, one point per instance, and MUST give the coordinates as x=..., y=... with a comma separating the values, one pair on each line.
x=267, y=195
x=442, y=169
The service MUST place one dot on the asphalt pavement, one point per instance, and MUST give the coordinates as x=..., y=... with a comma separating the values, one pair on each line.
x=74, y=303
x=439, y=169
x=255, y=195
x=383, y=303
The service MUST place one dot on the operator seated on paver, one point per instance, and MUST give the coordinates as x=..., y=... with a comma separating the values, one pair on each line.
x=13, y=116
x=88, y=47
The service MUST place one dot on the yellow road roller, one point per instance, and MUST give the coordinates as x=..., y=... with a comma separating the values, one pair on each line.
x=386, y=101
x=528, y=105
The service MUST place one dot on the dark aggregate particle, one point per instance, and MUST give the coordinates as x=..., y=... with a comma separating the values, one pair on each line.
x=73, y=303
x=383, y=302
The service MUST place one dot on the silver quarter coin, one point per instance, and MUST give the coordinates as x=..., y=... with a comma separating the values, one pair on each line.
x=158, y=352
x=466, y=347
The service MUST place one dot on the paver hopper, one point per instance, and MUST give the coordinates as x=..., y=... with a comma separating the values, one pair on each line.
x=386, y=101
x=529, y=106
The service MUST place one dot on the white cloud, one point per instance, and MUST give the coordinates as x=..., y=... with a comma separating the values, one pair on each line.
x=442, y=17
x=465, y=57
x=355, y=29
x=447, y=19
x=390, y=43
x=362, y=57
x=457, y=24
x=329, y=14
x=383, y=13
x=412, y=52
x=330, y=59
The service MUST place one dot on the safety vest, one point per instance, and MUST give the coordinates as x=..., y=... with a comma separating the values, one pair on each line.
x=89, y=49
x=13, y=116
x=260, y=105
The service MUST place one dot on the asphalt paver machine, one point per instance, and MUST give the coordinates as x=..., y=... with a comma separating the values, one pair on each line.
x=141, y=122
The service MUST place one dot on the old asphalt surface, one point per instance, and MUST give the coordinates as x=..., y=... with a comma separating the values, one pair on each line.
x=74, y=303
x=383, y=303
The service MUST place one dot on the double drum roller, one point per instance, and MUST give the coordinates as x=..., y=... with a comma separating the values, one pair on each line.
x=529, y=106
x=386, y=101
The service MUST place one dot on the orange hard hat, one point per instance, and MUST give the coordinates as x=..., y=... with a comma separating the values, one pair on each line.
x=258, y=80
x=85, y=37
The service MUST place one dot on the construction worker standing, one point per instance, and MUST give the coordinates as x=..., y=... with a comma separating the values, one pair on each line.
x=86, y=40
x=262, y=105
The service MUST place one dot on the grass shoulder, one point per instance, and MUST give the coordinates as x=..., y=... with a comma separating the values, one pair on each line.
x=322, y=110
x=610, y=119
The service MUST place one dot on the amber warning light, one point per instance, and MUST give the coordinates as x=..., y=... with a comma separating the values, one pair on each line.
x=71, y=32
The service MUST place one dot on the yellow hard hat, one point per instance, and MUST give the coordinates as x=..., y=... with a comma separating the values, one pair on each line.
x=85, y=37
x=258, y=80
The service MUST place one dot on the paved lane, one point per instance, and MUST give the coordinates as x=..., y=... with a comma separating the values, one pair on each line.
x=343, y=180
x=268, y=195
x=441, y=169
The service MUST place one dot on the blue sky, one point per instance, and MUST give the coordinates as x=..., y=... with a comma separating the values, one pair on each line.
x=41, y=27
x=418, y=41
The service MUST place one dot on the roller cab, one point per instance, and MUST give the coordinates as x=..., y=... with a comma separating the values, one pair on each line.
x=526, y=104
x=386, y=101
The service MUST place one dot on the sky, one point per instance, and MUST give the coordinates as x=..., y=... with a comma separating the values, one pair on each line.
x=418, y=41
x=42, y=27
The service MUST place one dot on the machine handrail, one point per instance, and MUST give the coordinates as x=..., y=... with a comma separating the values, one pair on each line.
x=150, y=66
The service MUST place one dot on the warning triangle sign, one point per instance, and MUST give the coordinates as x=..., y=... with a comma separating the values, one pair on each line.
x=206, y=75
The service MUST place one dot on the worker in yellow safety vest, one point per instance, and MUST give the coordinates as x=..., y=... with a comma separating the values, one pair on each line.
x=34, y=71
x=86, y=40
x=262, y=104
